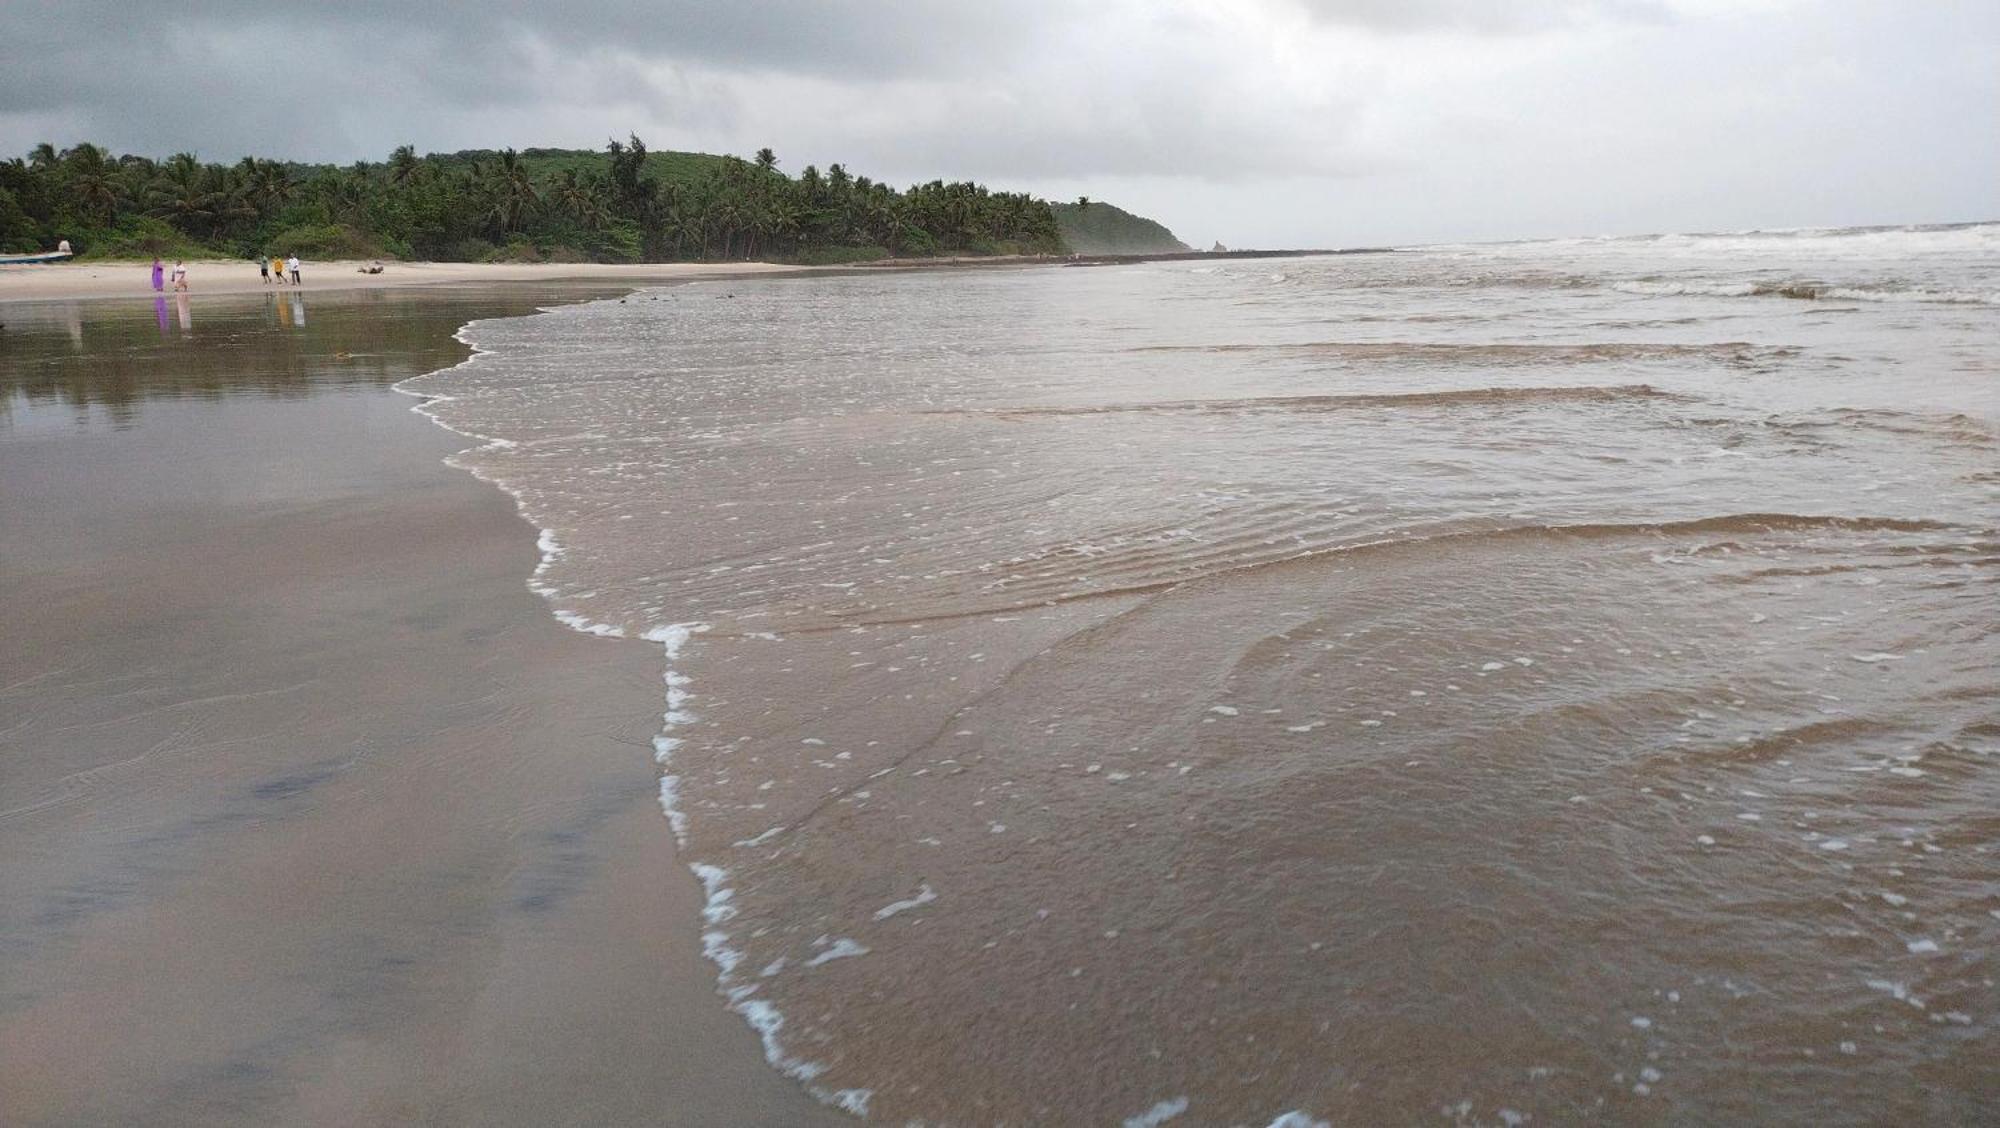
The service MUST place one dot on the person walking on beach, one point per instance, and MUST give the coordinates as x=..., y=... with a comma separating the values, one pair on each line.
x=278, y=269
x=264, y=268
x=158, y=274
x=292, y=264
x=180, y=276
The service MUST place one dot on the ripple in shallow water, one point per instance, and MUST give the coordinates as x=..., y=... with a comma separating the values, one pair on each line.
x=1092, y=721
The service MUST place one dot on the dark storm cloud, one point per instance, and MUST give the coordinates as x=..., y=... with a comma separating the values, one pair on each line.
x=95, y=40
x=1136, y=88
x=319, y=79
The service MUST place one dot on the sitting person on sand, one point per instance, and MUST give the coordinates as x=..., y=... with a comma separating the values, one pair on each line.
x=374, y=267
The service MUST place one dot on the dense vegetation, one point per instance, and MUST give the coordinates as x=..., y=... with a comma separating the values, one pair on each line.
x=1093, y=227
x=621, y=205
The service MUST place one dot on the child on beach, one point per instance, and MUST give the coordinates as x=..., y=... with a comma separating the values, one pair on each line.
x=180, y=275
x=158, y=272
x=292, y=264
x=278, y=269
x=264, y=268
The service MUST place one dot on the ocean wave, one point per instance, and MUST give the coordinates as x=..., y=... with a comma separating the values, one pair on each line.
x=1459, y=397
x=1223, y=563
x=1487, y=353
x=1803, y=290
x=1927, y=240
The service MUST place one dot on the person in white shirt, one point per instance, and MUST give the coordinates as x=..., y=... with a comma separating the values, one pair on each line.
x=292, y=265
x=180, y=275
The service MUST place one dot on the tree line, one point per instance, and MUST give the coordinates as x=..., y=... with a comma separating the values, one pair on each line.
x=621, y=205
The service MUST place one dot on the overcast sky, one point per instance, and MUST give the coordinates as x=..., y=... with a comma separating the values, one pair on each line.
x=1255, y=122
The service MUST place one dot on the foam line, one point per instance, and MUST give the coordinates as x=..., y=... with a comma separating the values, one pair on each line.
x=718, y=907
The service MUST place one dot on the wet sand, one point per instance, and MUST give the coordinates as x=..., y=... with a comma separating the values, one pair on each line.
x=311, y=813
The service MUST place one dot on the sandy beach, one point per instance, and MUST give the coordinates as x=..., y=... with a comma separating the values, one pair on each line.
x=312, y=813
x=133, y=279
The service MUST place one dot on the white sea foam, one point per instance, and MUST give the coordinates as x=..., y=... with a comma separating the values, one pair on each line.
x=1898, y=991
x=670, y=802
x=840, y=949
x=577, y=622
x=1159, y=1114
x=762, y=838
x=924, y=897
x=1297, y=1119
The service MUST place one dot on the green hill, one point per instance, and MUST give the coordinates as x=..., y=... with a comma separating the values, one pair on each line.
x=1092, y=227
x=622, y=204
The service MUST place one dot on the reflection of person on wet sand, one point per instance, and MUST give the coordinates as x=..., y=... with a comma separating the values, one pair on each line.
x=186, y=314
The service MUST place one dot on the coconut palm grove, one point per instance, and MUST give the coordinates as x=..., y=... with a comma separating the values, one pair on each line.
x=624, y=204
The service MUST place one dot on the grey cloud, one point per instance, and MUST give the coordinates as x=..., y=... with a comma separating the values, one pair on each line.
x=1484, y=17
x=1335, y=121
x=829, y=37
x=327, y=80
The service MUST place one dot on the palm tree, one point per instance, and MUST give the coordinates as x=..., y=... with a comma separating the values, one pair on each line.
x=275, y=186
x=403, y=164
x=514, y=194
x=92, y=181
x=581, y=198
x=347, y=195
x=183, y=195
x=767, y=161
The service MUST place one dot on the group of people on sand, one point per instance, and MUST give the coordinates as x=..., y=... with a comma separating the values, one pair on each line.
x=274, y=267
x=269, y=268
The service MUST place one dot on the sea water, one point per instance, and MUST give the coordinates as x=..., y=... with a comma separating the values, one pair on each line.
x=1495, y=683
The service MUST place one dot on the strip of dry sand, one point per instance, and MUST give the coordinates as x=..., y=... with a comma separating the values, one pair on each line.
x=311, y=813
x=58, y=281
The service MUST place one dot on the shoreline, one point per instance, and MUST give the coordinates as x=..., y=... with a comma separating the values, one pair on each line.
x=319, y=814
x=69, y=281
x=91, y=280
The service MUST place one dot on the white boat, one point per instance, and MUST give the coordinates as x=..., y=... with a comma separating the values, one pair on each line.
x=46, y=256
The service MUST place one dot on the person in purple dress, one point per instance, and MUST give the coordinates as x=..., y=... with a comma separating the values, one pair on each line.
x=159, y=273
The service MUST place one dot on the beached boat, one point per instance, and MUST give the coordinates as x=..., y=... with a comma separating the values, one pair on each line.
x=46, y=256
